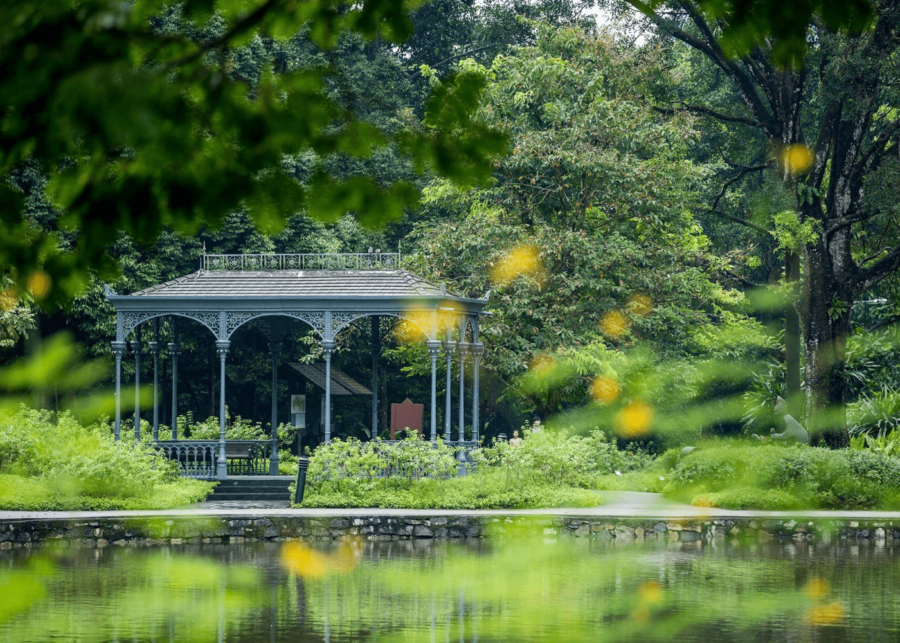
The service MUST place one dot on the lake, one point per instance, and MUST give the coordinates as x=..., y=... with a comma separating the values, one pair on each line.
x=522, y=587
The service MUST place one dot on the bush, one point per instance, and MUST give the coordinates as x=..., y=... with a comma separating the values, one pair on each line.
x=61, y=464
x=548, y=470
x=481, y=490
x=775, y=477
x=556, y=458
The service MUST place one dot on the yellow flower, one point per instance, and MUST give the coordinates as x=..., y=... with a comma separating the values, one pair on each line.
x=797, y=158
x=39, y=284
x=520, y=261
x=635, y=419
x=605, y=389
x=826, y=614
x=614, y=324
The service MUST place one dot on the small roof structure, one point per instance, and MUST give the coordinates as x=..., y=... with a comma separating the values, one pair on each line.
x=341, y=383
x=325, y=291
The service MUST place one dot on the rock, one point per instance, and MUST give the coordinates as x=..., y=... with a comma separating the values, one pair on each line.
x=583, y=530
x=421, y=531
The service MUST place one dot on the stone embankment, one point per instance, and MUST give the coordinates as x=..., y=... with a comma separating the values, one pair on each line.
x=107, y=531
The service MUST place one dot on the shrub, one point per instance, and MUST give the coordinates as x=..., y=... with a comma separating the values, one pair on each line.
x=64, y=465
x=548, y=469
x=739, y=477
x=556, y=458
x=481, y=490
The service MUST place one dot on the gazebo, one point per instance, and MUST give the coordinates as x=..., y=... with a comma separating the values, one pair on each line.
x=325, y=291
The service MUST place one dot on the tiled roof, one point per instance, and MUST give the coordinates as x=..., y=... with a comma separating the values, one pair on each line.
x=295, y=283
x=341, y=383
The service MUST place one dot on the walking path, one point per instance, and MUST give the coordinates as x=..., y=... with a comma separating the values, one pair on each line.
x=617, y=504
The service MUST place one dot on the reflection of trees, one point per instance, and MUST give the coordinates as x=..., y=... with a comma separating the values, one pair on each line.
x=524, y=587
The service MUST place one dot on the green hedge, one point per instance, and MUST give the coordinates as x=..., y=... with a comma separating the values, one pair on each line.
x=785, y=477
x=484, y=490
x=548, y=470
x=58, y=464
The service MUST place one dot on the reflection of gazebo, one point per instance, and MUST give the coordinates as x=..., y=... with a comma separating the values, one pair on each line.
x=325, y=291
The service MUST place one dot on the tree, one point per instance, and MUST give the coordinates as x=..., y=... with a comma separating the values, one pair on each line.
x=832, y=138
x=134, y=112
x=587, y=235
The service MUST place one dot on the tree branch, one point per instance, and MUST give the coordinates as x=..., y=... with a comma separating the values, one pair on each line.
x=869, y=277
x=699, y=109
x=743, y=222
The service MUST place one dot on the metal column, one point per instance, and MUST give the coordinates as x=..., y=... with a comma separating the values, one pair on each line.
x=174, y=350
x=136, y=346
x=449, y=346
x=433, y=348
x=477, y=352
x=118, y=351
x=376, y=352
x=461, y=349
x=222, y=464
x=328, y=348
x=154, y=348
x=274, y=349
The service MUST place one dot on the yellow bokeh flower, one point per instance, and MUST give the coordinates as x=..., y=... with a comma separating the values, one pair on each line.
x=826, y=614
x=39, y=284
x=613, y=324
x=605, y=390
x=640, y=305
x=797, y=158
x=635, y=419
x=303, y=560
x=522, y=260
x=817, y=588
x=650, y=592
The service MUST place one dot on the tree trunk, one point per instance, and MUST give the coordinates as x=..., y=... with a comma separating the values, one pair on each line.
x=826, y=323
x=792, y=335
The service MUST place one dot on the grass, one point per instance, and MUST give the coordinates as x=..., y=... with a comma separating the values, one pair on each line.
x=21, y=493
x=785, y=477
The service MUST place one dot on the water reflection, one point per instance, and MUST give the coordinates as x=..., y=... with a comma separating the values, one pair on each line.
x=527, y=587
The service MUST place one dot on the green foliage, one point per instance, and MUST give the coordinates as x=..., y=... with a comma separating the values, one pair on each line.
x=548, y=470
x=61, y=464
x=877, y=413
x=161, y=116
x=736, y=476
x=480, y=490
x=747, y=24
x=555, y=458
x=345, y=462
x=887, y=443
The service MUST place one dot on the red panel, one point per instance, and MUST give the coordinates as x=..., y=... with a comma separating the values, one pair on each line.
x=407, y=415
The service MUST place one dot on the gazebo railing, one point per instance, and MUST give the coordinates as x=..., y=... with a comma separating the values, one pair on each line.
x=322, y=261
x=198, y=458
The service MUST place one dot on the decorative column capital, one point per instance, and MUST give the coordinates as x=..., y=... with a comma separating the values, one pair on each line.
x=434, y=347
x=477, y=351
x=174, y=349
x=463, y=349
x=222, y=348
x=328, y=346
x=119, y=348
x=155, y=348
x=275, y=348
x=136, y=346
x=449, y=348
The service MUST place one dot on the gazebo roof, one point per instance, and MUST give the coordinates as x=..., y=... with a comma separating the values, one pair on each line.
x=327, y=291
x=317, y=284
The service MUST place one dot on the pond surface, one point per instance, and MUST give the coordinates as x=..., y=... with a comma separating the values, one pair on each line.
x=531, y=587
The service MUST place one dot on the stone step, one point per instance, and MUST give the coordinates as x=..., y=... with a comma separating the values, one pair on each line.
x=250, y=496
x=273, y=488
